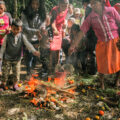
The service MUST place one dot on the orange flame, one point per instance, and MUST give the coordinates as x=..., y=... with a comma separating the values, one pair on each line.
x=71, y=91
x=34, y=101
x=49, y=79
x=49, y=91
x=32, y=85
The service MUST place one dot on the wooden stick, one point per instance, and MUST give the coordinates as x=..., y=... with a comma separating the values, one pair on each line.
x=110, y=102
x=70, y=86
x=55, y=88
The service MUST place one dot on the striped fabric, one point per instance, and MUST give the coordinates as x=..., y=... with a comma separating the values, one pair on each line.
x=106, y=28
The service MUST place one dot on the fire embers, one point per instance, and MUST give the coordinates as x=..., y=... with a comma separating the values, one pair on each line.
x=40, y=102
x=45, y=103
x=52, y=94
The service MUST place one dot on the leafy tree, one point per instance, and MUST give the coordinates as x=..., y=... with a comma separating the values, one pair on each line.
x=15, y=7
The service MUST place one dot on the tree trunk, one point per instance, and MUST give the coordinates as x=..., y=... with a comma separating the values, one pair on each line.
x=15, y=9
x=23, y=4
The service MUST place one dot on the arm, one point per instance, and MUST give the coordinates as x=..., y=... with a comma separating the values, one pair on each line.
x=53, y=22
x=116, y=16
x=77, y=40
x=43, y=25
x=84, y=28
x=3, y=48
x=30, y=46
x=26, y=27
x=10, y=17
x=55, y=31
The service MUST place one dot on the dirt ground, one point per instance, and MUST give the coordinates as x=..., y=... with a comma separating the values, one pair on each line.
x=87, y=103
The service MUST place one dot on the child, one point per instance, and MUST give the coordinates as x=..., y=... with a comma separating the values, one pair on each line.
x=77, y=15
x=66, y=40
x=58, y=15
x=4, y=24
x=70, y=22
x=77, y=59
x=11, y=51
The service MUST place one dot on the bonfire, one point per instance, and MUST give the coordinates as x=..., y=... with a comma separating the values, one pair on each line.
x=50, y=94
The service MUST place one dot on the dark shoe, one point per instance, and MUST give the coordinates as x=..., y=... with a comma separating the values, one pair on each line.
x=4, y=87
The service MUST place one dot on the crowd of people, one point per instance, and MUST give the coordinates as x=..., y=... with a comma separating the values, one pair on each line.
x=88, y=37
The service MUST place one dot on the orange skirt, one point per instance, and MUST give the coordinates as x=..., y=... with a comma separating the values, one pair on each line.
x=107, y=57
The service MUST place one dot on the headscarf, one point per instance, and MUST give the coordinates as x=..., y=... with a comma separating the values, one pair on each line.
x=117, y=7
x=107, y=3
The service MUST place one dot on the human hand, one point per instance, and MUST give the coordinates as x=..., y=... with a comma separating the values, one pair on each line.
x=44, y=31
x=50, y=39
x=36, y=53
x=64, y=26
x=56, y=32
x=39, y=35
x=71, y=50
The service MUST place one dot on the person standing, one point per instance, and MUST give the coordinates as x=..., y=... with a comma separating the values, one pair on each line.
x=104, y=21
x=33, y=18
x=58, y=16
x=11, y=52
x=4, y=24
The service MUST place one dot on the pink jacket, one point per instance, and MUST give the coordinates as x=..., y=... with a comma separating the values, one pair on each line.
x=4, y=26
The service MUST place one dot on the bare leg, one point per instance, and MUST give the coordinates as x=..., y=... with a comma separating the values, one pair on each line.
x=101, y=77
x=117, y=80
x=51, y=61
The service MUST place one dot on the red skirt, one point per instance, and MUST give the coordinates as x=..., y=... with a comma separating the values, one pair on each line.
x=108, y=57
